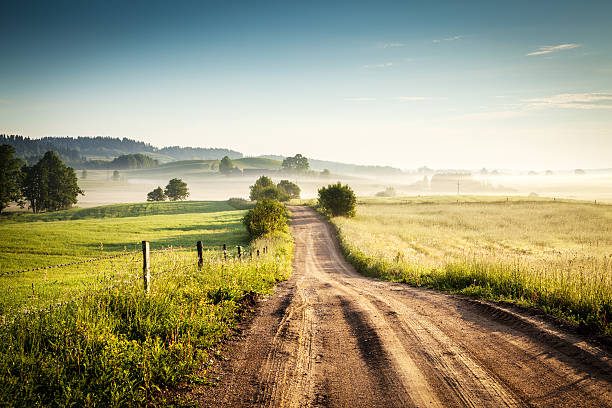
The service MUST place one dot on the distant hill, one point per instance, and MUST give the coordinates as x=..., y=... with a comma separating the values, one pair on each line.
x=344, y=168
x=96, y=152
x=258, y=163
x=78, y=150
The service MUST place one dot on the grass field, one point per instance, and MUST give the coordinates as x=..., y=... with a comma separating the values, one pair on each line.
x=556, y=255
x=35, y=240
x=87, y=335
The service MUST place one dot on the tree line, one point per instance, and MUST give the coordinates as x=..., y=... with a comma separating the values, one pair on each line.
x=48, y=185
x=80, y=150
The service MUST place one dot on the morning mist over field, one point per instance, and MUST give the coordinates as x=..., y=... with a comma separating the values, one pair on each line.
x=306, y=204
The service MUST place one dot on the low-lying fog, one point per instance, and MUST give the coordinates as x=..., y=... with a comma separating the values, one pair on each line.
x=592, y=185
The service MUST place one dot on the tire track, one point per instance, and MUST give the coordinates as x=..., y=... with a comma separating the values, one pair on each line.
x=333, y=338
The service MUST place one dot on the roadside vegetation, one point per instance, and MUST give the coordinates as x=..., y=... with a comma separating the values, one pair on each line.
x=268, y=216
x=86, y=334
x=554, y=255
x=337, y=200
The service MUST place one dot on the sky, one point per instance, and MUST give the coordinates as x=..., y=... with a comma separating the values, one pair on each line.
x=446, y=84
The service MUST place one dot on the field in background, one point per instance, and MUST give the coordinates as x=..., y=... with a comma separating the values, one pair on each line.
x=86, y=333
x=556, y=255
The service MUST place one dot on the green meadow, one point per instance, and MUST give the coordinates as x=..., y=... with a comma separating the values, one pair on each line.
x=36, y=240
x=87, y=334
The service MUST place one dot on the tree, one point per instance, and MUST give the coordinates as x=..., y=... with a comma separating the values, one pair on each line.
x=226, y=166
x=291, y=189
x=116, y=175
x=157, y=195
x=337, y=199
x=133, y=161
x=261, y=184
x=265, y=189
x=11, y=176
x=297, y=163
x=50, y=185
x=176, y=190
x=267, y=216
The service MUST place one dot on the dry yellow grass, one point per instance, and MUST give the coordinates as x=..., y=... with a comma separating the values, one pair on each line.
x=553, y=254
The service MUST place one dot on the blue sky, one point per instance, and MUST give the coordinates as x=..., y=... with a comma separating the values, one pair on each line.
x=446, y=84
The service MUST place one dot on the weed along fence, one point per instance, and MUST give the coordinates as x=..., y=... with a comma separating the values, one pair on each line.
x=37, y=290
x=116, y=331
x=146, y=259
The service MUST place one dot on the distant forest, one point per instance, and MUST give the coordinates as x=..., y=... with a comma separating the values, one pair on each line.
x=92, y=152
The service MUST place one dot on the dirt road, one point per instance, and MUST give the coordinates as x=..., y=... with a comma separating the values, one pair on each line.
x=331, y=337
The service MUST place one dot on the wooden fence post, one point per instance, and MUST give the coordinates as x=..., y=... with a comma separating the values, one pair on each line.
x=200, y=257
x=146, y=273
x=258, y=253
x=224, y=252
x=239, y=251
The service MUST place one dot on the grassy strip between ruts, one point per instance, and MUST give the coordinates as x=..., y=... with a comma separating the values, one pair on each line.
x=120, y=347
x=549, y=255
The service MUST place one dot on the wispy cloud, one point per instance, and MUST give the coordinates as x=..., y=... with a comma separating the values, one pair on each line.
x=549, y=49
x=381, y=65
x=592, y=100
x=392, y=45
x=453, y=38
x=360, y=99
x=491, y=115
x=416, y=98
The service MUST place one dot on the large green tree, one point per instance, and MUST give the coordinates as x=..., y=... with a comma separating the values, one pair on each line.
x=10, y=176
x=50, y=185
x=157, y=195
x=297, y=163
x=176, y=190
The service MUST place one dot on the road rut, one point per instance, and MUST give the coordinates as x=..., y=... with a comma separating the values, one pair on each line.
x=330, y=337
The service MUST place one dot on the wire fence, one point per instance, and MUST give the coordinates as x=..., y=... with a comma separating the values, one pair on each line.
x=120, y=276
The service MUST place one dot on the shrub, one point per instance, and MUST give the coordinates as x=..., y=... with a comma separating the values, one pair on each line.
x=337, y=199
x=267, y=216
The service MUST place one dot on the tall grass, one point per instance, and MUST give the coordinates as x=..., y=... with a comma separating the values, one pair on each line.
x=119, y=346
x=553, y=255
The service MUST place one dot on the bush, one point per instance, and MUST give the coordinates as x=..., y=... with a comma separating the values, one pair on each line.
x=267, y=216
x=337, y=199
